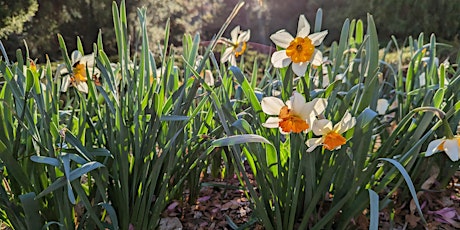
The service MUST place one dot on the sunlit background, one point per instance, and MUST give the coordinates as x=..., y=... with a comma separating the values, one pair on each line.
x=39, y=21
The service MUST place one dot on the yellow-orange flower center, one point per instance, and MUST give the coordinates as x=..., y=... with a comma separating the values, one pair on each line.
x=300, y=50
x=332, y=140
x=79, y=73
x=441, y=146
x=291, y=122
x=33, y=67
x=239, y=48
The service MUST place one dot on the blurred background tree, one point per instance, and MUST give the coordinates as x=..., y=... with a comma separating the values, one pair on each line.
x=13, y=15
x=38, y=21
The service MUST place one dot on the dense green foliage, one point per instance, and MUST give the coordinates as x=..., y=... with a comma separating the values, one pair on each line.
x=108, y=144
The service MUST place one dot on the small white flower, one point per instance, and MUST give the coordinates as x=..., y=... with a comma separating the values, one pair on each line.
x=450, y=146
x=299, y=50
x=331, y=137
x=294, y=116
x=237, y=45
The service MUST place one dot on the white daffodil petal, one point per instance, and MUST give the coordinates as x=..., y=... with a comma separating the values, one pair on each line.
x=317, y=38
x=452, y=149
x=282, y=132
x=317, y=58
x=303, y=27
x=312, y=143
x=321, y=127
x=75, y=56
x=272, y=105
x=297, y=102
x=65, y=83
x=289, y=104
x=244, y=36
x=271, y=122
x=226, y=55
x=82, y=87
x=280, y=59
x=422, y=79
x=208, y=77
x=382, y=106
x=303, y=32
x=61, y=70
x=433, y=147
x=234, y=33
x=316, y=106
x=299, y=68
x=282, y=39
x=87, y=60
x=232, y=60
x=347, y=122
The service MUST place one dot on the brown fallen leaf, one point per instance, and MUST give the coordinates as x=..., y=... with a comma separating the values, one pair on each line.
x=412, y=220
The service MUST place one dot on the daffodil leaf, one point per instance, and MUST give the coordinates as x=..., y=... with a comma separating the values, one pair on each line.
x=174, y=118
x=457, y=106
x=75, y=174
x=77, y=159
x=359, y=32
x=66, y=162
x=45, y=160
x=248, y=91
x=374, y=210
x=47, y=225
x=409, y=183
x=242, y=125
x=101, y=152
x=318, y=20
x=112, y=213
x=29, y=80
x=71, y=139
x=240, y=139
x=31, y=210
x=271, y=157
x=2, y=48
x=366, y=117
x=438, y=97
x=343, y=44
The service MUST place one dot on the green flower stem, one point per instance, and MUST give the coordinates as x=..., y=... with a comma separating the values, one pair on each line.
x=447, y=130
x=439, y=113
x=442, y=115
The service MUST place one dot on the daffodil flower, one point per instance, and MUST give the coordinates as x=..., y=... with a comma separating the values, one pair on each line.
x=299, y=50
x=78, y=76
x=294, y=116
x=450, y=146
x=331, y=137
x=237, y=45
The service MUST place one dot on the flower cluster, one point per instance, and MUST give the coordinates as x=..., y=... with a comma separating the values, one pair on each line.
x=297, y=115
x=299, y=50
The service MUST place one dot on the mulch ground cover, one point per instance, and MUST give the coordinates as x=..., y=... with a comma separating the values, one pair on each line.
x=221, y=202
